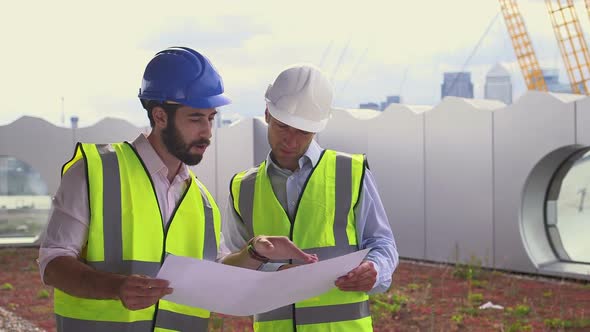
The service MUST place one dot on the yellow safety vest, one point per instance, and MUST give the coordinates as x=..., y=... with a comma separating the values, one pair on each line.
x=126, y=236
x=324, y=224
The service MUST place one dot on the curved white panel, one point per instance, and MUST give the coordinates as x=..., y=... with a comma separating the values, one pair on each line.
x=583, y=121
x=459, y=193
x=396, y=158
x=345, y=132
x=452, y=178
x=524, y=133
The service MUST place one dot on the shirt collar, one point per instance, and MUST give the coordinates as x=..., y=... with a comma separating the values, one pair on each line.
x=152, y=161
x=312, y=155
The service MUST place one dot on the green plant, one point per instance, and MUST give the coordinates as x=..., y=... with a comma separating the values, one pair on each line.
x=43, y=294
x=461, y=271
x=519, y=326
x=522, y=310
x=413, y=287
x=7, y=286
x=583, y=322
x=400, y=299
x=548, y=294
x=475, y=297
x=469, y=271
x=557, y=323
x=388, y=307
x=393, y=298
x=389, y=304
x=470, y=311
x=457, y=318
x=385, y=304
x=479, y=283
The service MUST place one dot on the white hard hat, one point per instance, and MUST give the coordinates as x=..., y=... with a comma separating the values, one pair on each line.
x=301, y=97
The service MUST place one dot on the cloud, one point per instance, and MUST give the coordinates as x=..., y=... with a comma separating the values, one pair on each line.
x=225, y=32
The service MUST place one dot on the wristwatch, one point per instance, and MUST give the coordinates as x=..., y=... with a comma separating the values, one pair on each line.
x=254, y=254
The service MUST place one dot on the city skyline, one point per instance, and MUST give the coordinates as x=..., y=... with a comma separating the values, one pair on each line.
x=497, y=86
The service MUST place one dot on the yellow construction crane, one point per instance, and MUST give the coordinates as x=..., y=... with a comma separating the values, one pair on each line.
x=571, y=43
x=527, y=60
x=570, y=39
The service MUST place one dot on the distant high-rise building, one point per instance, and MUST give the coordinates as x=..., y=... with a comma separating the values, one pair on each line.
x=498, y=85
x=383, y=105
x=370, y=106
x=457, y=84
x=394, y=99
x=390, y=100
x=551, y=76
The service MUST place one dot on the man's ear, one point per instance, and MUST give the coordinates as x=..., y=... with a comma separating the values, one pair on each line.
x=266, y=116
x=160, y=117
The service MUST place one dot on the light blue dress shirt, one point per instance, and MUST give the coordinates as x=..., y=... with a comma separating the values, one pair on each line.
x=373, y=229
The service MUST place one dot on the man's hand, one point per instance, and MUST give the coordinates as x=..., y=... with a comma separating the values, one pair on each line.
x=280, y=248
x=360, y=279
x=139, y=292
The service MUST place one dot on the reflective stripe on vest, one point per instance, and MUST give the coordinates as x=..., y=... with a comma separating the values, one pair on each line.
x=169, y=321
x=320, y=227
x=317, y=315
x=126, y=236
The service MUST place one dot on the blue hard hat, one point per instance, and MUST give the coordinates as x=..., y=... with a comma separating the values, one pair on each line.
x=183, y=75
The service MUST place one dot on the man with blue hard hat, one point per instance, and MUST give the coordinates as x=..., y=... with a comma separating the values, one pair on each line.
x=121, y=208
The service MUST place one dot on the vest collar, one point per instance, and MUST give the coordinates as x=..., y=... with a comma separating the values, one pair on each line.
x=152, y=161
x=312, y=155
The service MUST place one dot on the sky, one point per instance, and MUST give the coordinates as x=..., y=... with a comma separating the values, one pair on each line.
x=64, y=58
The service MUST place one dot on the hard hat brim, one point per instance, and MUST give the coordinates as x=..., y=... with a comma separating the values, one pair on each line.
x=207, y=102
x=295, y=121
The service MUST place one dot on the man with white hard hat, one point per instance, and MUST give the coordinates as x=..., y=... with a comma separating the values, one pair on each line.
x=325, y=201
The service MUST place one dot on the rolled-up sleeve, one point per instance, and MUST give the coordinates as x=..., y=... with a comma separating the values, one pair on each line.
x=374, y=232
x=234, y=231
x=67, y=229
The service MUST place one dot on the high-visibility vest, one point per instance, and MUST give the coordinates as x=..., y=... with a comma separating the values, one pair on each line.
x=324, y=224
x=126, y=235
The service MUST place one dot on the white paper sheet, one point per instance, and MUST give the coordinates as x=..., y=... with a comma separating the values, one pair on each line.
x=242, y=292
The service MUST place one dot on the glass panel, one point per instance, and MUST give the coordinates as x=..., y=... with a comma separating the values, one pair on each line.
x=24, y=201
x=573, y=210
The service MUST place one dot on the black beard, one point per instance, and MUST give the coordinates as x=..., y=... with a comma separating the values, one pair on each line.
x=178, y=148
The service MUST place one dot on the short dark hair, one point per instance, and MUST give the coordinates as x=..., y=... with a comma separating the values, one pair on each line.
x=149, y=105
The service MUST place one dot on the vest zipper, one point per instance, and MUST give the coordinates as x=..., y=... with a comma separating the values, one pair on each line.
x=293, y=224
x=164, y=229
x=165, y=236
